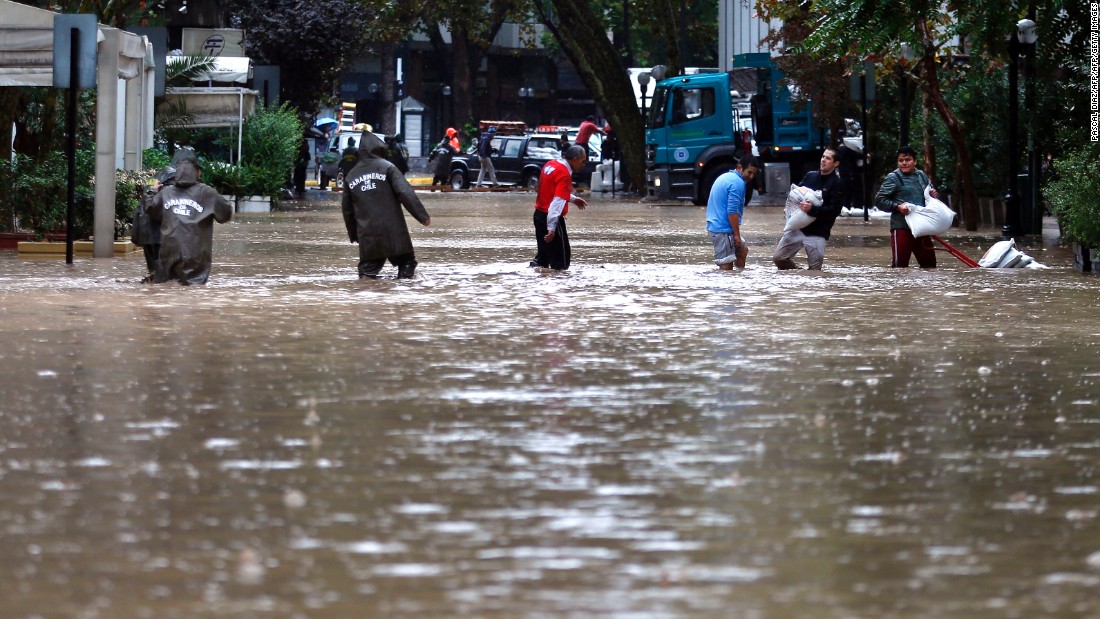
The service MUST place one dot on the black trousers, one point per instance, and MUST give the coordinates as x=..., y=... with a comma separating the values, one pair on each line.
x=152, y=256
x=555, y=254
x=405, y=263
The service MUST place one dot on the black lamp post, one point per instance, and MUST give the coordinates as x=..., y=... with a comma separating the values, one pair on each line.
x=1023, y=36
x=643, y=85
x=1031, y=218
x=446, y=90
x=1012, y=201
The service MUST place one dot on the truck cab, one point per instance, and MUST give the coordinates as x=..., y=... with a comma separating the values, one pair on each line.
x=694, y=127
x=690, y=136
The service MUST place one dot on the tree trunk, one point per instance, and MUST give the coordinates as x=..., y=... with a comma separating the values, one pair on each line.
x=929, y=137
x=463, y=86
x=388, y=121
x=599, y=67
x=955, y=128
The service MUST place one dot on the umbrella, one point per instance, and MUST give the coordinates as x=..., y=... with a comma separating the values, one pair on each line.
x=325, y=121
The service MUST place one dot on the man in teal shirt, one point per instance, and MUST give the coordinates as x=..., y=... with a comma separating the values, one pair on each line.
x=725, y=209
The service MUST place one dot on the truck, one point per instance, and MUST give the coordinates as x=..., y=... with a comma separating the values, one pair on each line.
x=695, y=128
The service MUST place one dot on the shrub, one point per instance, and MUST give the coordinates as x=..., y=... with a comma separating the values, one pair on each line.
x=1074, y=195
x=38, y=193
x=270, y=145
x=155, y=159
x=128, y=188
x=223, y=177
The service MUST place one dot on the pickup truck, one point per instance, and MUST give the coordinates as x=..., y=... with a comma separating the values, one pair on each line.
x=517, y=159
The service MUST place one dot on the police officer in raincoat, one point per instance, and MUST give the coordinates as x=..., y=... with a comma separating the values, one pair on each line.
x=186, y=212
x=374, y=192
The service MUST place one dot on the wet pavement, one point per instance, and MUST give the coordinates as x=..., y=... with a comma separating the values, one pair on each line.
x=641, y=436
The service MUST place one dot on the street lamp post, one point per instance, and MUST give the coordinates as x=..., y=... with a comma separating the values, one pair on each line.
x=1032, y=218
x=446, y=90
x=1012, y=201
x=1024, y=35
x=643, y=84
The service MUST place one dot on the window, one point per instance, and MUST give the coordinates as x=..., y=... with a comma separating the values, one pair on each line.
x=543, y=148
x=690, y=104
x=510, y=149
x=656, y=111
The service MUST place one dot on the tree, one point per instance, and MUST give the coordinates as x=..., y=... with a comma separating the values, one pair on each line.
x=310, y=43
x=473, y=28
x=822, y=79
x=851, y=31
x=583, y=39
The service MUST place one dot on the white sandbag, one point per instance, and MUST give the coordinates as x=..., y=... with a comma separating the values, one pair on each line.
x=996, y=254
x=1004, y=255
x=933, y=218
x=796, y=219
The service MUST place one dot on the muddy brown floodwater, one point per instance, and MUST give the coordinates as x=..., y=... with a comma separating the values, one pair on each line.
x=640, y=437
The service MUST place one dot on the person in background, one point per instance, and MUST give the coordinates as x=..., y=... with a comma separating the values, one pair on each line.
x=374, y=193
x=900, y=191
x=348, y=159
x=485, y=150
x=725, y=212
x=301, y=164
x=584, y=134
x=555, y=192
x=443, y=154
x=146, y=231
x=813, y=237
x=851, y=173
x=186, y=211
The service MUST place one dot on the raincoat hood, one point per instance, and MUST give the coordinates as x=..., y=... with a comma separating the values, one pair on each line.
x=371, y=146
x=187, y=174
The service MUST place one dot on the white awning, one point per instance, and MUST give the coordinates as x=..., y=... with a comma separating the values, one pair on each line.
x=26, y=47
x=215, y=107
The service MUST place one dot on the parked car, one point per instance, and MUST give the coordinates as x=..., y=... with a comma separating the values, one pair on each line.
x=518, y=160
x=330, y=160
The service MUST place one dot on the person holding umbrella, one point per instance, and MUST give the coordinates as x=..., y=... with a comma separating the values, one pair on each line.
x=324, y=125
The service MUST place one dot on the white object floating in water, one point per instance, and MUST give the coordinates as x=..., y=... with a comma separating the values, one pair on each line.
x=1004, y=255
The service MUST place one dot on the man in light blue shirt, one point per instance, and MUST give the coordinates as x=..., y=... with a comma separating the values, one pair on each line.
x=725, y=209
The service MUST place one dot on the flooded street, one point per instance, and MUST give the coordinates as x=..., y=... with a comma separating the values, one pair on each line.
x=639, y=437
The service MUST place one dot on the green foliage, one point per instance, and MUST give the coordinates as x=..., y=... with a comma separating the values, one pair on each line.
x=1074, y=195
x=37, y=198
x=223, y=177
x=155, y=159
x=128, y=187
x=37, y=201
x=270, y=145
x=311, y=42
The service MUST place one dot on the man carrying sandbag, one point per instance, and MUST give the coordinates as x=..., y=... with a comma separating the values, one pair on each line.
x=901, y=191
x=821, y=217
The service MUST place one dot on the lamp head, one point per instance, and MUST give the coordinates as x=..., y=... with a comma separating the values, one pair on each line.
x=1027, y=31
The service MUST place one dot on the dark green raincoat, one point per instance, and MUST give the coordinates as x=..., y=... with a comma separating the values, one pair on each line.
x=374, y=192
x=187, y=212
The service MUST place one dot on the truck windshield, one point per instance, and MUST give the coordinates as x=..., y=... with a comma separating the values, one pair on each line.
x=655, y=118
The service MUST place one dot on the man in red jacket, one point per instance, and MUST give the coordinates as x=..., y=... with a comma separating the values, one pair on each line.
x=552, y=205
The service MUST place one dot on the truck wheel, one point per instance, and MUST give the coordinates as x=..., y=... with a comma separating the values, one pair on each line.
x=458, y=180
x=531, y=180
x=705, y=183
